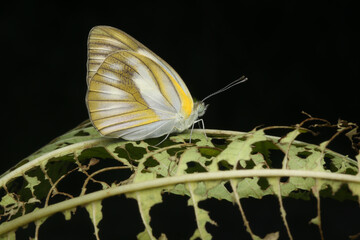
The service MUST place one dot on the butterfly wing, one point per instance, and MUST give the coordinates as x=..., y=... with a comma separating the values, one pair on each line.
x=132, y=93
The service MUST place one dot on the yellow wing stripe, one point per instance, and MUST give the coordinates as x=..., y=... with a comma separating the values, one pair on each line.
x=187, y=103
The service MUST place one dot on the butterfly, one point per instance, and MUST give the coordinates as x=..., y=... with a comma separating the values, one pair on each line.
x=132, y=93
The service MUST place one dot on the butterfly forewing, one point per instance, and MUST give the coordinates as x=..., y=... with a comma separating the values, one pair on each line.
x=104, y=40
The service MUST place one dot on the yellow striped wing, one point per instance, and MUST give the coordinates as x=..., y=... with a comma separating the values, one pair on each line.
x=132, y=93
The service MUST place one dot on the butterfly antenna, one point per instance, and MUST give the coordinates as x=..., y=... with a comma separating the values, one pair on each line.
x=230, y=85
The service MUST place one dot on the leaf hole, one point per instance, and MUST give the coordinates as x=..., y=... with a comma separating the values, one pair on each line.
x=228, y=187
x=173, y=217
x=300, y=194
x=238, y=166
x=263, y=183
x=134, y=152
x=227, y=217
x=250, y=164
x=224, y=165
x=193, y=141
x=82, y=133
x=341, y=194
x=193, y=167
x=209, y=152
x=175, y=151
x=329, y=165
x=111, y=170
x=207, y=163
x=276, y=157
x=303, y=154
x=350, y=171
x=151, y=162
x=154, y=142
x=218, y=141
x=284, y=179
x=122, y=153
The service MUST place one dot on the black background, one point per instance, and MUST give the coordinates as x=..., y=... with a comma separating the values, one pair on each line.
x=298, y=55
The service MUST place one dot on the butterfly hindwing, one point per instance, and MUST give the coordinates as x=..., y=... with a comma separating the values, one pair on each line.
x=128, y=91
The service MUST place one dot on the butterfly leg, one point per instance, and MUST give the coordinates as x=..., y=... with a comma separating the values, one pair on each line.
x=202, y=125
x=167, y=135
x=192, y=128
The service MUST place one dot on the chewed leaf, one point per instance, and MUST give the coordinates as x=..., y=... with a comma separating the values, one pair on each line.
x=220, y=192
x=252, y=187
x=32, y=182
x=239, y=149
x=7, y=200
x=317, y=220
x=69, y=213
x=355, y=188
x=95, y=214
x=225, y=166
x=272, y=236
x=276, y=186
x=146, y=200
x=197, y=193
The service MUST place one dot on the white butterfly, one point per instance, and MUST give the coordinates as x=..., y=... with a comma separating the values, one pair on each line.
x=132, y=92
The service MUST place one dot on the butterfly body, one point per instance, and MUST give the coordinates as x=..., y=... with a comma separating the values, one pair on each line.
x=133, y=93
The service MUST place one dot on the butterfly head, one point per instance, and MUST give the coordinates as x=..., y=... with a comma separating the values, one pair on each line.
x=200, y=108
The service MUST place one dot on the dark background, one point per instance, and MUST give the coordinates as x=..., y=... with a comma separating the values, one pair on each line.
x=298, y=55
